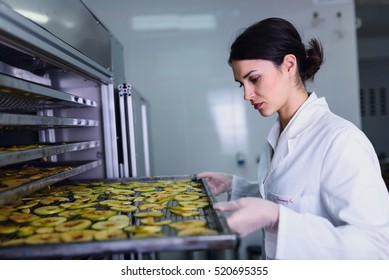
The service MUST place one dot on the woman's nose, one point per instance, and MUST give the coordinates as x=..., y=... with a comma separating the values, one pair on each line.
x=248, y=94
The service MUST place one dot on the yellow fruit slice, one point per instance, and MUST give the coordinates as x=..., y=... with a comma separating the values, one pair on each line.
x=197, y=204
x=122, y=218
x=48, y=222
x=143, y=229
x=155, y=214
x=145, y=189
x=185, y=197
x=26, y=231
x=98, y=215
x=7, y=229
x=150, y=221
x=77, y=236
x=112, y=202
x=23, y=217
x=44, y=230
x=185, y=213
x=74, y=213
x=28, y=204
x=151, y=206
x=110, y=234
x=74, y=205
x=52, y=199
x=188, y=224
x=48, y=210
x=44, y=238
x=122, y=191
x=125, y=208
x=12, y=242
x=104, y=225
x=175, y=188
x=196, y=231
x=79, y=224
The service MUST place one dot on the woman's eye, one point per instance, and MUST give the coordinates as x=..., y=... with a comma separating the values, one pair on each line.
x=240, y=85
x=254, y=80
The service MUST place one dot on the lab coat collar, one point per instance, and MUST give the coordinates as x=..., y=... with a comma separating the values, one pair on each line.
x=310, y=110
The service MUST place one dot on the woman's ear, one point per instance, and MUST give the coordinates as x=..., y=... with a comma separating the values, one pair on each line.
x=290, y=63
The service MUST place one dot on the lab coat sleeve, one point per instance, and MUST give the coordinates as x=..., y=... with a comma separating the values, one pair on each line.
x=354, y=194
x=242, y=187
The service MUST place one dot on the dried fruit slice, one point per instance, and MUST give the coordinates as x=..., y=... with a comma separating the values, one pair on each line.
x=185, y=197
x=197, y=204
x=143, y=229
x=123, y=218
x=155, y=214
x=7, y=229
x=112, y=202
x=98, y=215
x=151, y=222
x=197, y=231
x=28, y=204
x=185, y=213
x=187, y=224
x=23, y=217
x=51, y=199
x=77, y=236
x=48, y=222
x=175, y=188
x=48, y=210
x=104, y=225
x=145, y=189
x=74, y=205
x=74, y=213
x=44, y=238
x=26, y=231
x=110, y=234
x=12, y=242
x=122, y=191
x=152, y=206
x=79, y=224
x=124, y=208
x=44, y=230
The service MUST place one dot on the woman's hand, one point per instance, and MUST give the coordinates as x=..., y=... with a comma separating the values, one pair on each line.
x=218, y=182
x=250, y=214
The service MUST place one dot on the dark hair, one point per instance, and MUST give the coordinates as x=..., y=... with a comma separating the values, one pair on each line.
x=272, y=39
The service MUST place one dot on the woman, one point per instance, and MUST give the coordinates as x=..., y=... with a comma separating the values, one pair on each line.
x=320, y=193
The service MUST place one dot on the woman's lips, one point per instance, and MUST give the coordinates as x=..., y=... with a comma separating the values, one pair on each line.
x=257, y=106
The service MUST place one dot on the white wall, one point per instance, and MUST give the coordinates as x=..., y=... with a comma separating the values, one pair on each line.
x=199, y=120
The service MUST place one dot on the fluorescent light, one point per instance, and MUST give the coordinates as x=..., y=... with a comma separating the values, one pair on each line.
x=172, y=21
x=37, y=17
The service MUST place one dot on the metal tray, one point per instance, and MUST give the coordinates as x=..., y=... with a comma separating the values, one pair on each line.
x=77, y=168
x=47, y=149
x=223, y=240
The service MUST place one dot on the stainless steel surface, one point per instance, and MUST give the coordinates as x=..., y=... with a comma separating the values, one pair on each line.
x=48, y=149
x=223, y=240
x=43, y=121
x=77, y=168
x=19, y=32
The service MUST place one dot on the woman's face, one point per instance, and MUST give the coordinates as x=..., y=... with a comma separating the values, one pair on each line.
x=265, y=85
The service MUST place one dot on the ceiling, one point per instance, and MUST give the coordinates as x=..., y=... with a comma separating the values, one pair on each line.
x=373, y=17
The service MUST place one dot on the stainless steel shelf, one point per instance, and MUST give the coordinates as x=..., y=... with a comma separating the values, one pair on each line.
x=8, y=158
x=9, y=120
x=77, y=168
x=23, y=96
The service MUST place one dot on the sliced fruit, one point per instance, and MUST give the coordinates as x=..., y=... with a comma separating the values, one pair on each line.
x=48, y=210
x=176, y=188
x=185, y=213
x=28, y=204
x=187, y=224
x=51, y=199
x=110, y=234
x=74, y=205
x=44, y=230
x=185, y=197
x=23, y=217
x=26, y=231
x=155, y=214
x=122, y=191
x=151, y=206
x=12, y=242
x=125, y=208
x=7, y=229
x=123, y=218
x=123, y=197
x=44, y=238
x=104, y=225
x=98, y=215
x=145, y=189
x=77, y=236
x=48, y=222
x=197, y=204
x=197, y=231
x=143, y=229
x=150, y=221
x=112, y=202
x=79, y=224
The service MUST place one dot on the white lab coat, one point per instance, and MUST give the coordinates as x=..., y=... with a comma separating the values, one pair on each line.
x=325, y=175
